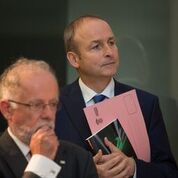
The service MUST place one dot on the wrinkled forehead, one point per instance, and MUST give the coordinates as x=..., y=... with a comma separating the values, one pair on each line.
x=38, y=77
x=91, y=29
x=37, y=81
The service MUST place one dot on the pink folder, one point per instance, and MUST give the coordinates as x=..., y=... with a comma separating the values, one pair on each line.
x=126, y=109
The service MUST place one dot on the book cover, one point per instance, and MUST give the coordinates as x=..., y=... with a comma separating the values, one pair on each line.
x=116, y=134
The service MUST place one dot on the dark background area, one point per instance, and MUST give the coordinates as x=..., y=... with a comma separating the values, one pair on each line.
x=33, y=29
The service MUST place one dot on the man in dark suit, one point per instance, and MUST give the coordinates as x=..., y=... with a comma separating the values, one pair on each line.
x=29, y=147
x=91, y=49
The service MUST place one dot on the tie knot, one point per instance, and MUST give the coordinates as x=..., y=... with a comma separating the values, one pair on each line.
x=98, y=98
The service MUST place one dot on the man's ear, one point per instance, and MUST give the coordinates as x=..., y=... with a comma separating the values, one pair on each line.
x=73, y=59
x=6, y=109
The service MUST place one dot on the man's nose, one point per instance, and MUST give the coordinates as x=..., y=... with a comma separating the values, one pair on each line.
x=108, y=51
x=48, y=112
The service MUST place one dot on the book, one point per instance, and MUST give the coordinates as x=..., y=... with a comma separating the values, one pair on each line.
x=116, y=134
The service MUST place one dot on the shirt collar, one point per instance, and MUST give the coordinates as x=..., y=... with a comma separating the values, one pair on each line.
x=88, y=93
x=24, y=148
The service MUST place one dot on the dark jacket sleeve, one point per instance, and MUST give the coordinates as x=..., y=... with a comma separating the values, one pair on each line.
x=78, y=162
x=162, y=163
x=30, y=175
x=6, y=172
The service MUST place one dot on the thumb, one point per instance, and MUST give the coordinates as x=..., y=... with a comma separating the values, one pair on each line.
x=111, y=146
x=98, y=157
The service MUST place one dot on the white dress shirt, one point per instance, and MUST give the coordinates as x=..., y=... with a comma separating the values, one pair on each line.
x=38, y=164
x=88, y=93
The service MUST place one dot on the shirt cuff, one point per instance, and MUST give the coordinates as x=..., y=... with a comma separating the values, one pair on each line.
x=43, y=166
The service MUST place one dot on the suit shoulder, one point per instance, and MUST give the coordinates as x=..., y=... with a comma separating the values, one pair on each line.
x=65, y=90
x=72, y=147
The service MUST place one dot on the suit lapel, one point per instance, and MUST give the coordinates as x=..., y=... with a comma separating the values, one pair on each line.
x=12, y=154
x=120, y=88
x=74, y=103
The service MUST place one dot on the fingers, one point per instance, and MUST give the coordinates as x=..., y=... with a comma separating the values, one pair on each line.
x=116, y=164
x=111, y=146
x=45, y=130
x=125, y=168
x=97, y=158
x=45, y=142
x=105, y=167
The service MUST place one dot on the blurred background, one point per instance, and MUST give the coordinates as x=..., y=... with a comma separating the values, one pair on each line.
x=146, y=31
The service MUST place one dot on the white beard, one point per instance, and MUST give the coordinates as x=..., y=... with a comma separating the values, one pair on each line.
x=24, y=133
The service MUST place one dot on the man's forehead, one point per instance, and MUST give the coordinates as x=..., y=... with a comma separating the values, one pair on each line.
x=87, y=22
x=93, y=30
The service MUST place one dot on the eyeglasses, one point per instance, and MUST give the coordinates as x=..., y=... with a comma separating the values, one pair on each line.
x=39, y=106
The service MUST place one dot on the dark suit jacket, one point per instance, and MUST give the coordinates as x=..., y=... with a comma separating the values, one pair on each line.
x=71, y=125
x=79, y=162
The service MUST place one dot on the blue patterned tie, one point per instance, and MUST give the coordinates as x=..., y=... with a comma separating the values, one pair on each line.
x=98, y=98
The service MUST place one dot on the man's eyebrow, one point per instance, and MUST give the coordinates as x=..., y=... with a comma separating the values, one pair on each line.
x=95, y=41
x=112, y=38
x=98, y=40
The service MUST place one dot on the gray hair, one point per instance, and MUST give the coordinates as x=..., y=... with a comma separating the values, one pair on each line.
x=10, y=78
